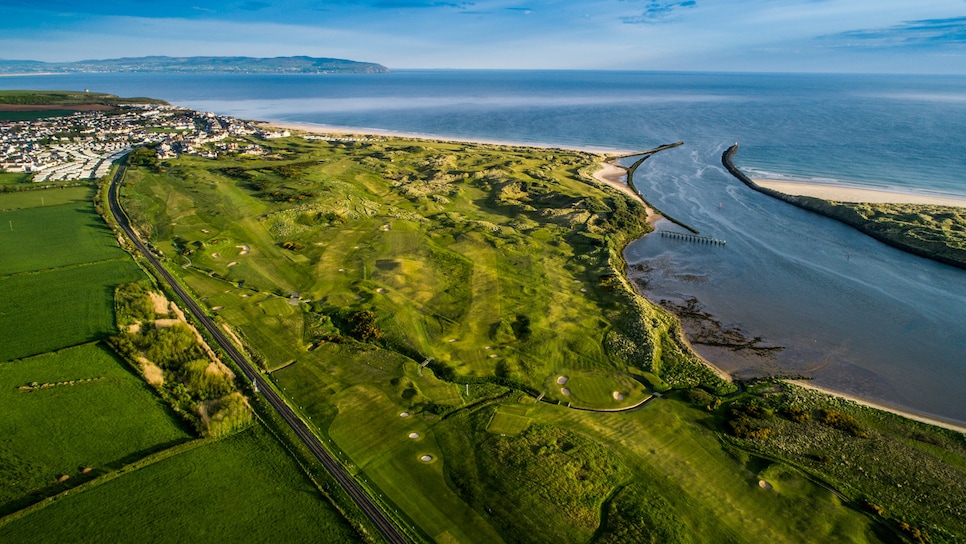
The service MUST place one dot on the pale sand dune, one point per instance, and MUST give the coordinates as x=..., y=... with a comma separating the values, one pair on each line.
x=851, y=194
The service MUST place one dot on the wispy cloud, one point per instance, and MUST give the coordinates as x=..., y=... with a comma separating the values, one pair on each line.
x=655, y=12
x=924, y=33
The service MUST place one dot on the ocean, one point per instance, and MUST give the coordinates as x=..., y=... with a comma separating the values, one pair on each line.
x=849, y=312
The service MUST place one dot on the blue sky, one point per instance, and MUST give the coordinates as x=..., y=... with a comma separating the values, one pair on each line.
x=728, y=35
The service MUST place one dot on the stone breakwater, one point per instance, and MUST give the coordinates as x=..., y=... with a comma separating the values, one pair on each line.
x=835, y=211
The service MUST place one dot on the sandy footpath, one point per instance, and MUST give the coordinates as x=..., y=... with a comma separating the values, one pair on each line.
x=904, y=413
x=852, y=194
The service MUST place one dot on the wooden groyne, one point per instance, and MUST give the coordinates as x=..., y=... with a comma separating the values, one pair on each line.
x=831, y=210
x=691, y=237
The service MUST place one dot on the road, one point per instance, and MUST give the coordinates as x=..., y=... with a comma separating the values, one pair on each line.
x=365, y=503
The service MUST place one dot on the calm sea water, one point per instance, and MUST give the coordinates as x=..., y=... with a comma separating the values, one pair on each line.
x=852, y=313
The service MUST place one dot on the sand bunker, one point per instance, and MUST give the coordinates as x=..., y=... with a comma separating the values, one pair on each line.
x=403, y=414
x=426, y=458
x=414, y=436
x=233, y=263
x=216, y=255
x=565, y=391
x=763, y=484
x=562, y=380
x=618, y=395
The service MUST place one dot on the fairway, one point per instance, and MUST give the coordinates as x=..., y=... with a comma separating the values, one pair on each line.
x=244, y=488
x=93, y=412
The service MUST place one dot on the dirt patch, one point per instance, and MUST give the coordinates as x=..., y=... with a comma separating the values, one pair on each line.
x=134, y=328
x=152, y=373
x=165, y=323
x=160, y=303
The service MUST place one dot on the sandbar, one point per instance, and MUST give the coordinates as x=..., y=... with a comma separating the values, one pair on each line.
x=840, y=193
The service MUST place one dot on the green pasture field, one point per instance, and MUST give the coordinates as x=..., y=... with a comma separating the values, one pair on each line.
x=32, y=115
x=47, y=237
x=17, y=200
x=13, y=178
x=54, y=309
x=95, y=413
x=244, y=488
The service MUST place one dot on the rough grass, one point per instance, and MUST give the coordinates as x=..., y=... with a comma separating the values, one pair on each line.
x=676, y=456
x=242, y=488
x=93, y=413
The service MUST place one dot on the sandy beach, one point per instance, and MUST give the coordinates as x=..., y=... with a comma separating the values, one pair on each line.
x=853, y=194
x=904, y=413
x=616, y=177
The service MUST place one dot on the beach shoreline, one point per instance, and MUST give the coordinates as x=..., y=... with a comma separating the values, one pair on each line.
x=615, y=176
x=905, y=413
x=842, y=193
x=359, y=131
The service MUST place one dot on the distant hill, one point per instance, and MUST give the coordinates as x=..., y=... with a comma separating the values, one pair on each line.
x=277, y=65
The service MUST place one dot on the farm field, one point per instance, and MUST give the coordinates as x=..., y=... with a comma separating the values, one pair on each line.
x=52, y=236
x=54, y=309
x=240, y=488
x=87, y=410
x=13, y=178
x=413, y=298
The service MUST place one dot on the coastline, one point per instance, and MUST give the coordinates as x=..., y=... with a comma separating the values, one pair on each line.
x=357, y=131
x=842, y=193
x=885, y=408
x=615, y=176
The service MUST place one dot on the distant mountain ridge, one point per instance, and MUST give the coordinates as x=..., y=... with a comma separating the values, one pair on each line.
x=276, y=65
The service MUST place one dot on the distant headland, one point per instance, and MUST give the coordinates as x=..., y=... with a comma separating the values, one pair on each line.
x=247, y=65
